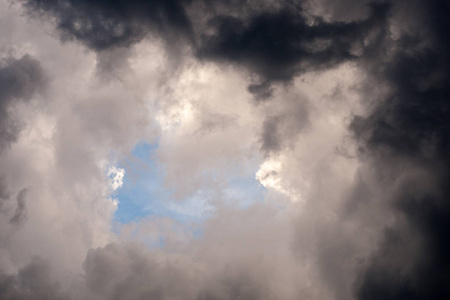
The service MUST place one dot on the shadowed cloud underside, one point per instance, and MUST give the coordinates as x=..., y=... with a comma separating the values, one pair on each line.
x=212, y=150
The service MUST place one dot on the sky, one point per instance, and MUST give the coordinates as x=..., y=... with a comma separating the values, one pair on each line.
x=224, y=150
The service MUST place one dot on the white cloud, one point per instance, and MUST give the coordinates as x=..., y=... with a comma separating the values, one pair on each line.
x=115, y=175
x=269, y=176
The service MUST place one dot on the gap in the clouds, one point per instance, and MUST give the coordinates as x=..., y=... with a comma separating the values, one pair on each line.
x=143, y=193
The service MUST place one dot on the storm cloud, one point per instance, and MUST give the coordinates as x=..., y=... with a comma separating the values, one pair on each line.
x=104, y=24
x=334, y=184
x=274, y=41
x=406, y=135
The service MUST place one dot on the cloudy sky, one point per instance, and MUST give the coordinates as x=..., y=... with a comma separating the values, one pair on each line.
x=218, y=150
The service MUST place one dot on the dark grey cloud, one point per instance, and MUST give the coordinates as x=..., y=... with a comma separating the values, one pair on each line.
x=277, y=45
x=20, y=213
x=32, y=282
x=282, y=128
x=13, y=212
x=264, y=90
x=273, y=41
x=4, y=195
x=104, y=24
x=406, y=136
x=19, y=80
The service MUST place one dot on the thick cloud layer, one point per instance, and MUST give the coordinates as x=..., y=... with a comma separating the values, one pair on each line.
x=281, y=44
x=351, y=145
x=20, y=79
x=32, y=282
x=406, y=136
x=275, y=43
x=104, y=24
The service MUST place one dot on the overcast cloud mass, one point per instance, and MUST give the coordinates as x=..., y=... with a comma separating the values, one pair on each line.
x=218, y=150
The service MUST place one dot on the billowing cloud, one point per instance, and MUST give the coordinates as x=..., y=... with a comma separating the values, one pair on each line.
x=104, y=24
x=20, y=79
x=32, y=282
x=406, y=136
x=274, y=41
x=279, y=44
x=334, y=186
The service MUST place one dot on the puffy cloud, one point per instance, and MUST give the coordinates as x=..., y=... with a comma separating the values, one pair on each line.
x=116, y=175
x=353, y=130
x=20, y=79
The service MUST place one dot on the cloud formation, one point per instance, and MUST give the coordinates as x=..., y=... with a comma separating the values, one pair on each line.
x=350, y=142
x=275, y=43
x=19, y=80
x=104, y=24
x=406, y=135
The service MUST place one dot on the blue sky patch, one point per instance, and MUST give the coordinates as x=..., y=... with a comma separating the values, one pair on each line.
x=143, y=193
